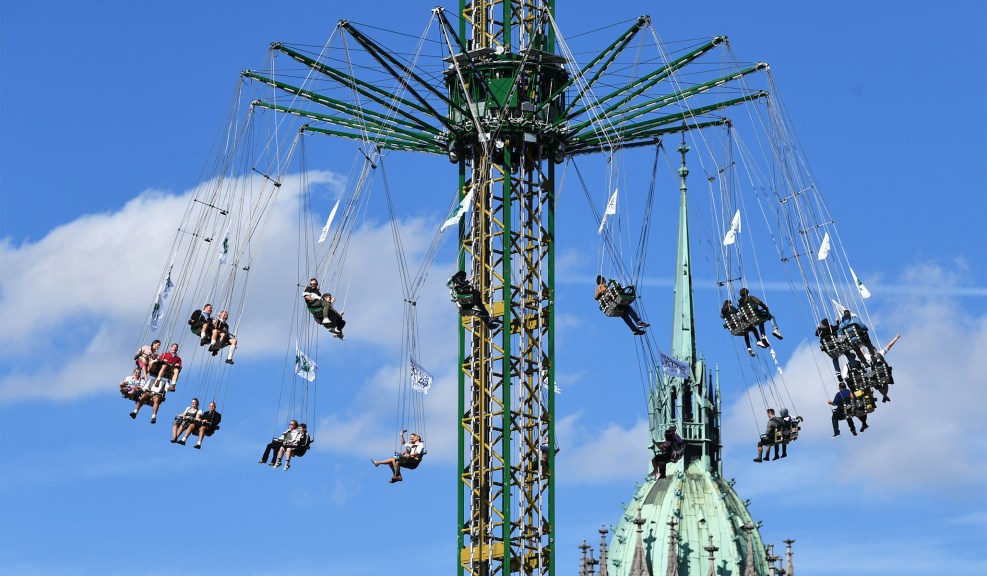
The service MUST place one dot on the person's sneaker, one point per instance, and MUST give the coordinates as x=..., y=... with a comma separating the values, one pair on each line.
x=777, y=334
x=262, y=461
x=639, y=332
x=286, y=466
x=133, y=415
x=340, y=335
x=182, y=442
x=203, y=341
x=154, y=419
x=758, y=460
x=214, y=350
x=643, y=325
x=197, y=446
x=751, y=352
x=174, y=440
x=229, y=360
x=275, y=464
x=836, y=435
x=864, y=427
x=762, y=343
x=326, y=321
x=854, y=432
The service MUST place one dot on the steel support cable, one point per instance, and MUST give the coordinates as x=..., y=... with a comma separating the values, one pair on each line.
x=779, y=117
x=597, y=217
x=673, y=77
x=745, y=162
x=601, y=125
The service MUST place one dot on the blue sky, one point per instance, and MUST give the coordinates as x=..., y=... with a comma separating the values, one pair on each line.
x=107, y=116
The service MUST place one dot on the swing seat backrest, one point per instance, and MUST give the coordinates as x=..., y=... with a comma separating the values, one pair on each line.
x=301, y=449
x=616, y=297
x=736, y=323
x=854, y=334
x=792, y=431
x=834, y=345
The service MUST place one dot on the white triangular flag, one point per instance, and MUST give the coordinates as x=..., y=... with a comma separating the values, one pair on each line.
x=304, y=366
x=224, y=247
x=731, y=236
x=824, y=248
x=611, y=209
x=325, y=231
x=421, y=380
x=463, y=207
x=864, y=292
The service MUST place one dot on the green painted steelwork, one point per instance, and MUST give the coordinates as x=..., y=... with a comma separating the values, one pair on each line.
x=507, y=109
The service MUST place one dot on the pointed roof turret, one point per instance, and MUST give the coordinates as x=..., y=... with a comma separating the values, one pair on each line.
x=639, y=563
x=789, y=567
x=673, y=550
x=603, y=551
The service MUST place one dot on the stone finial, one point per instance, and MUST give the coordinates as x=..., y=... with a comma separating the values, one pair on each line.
x=789, y=567
x=712, y=560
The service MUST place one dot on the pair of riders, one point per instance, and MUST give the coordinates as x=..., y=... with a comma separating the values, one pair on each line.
x=747, y=318
x=213, y=331
x=321, y=307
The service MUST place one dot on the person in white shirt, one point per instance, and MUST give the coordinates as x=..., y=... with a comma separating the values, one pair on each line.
x=190, y=414
x=409, y=458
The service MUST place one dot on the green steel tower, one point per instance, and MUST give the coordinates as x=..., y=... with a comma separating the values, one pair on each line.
x=694, y=509
x=506, y=108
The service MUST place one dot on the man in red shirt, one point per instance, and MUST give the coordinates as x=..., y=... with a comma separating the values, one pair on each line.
x=171, y=362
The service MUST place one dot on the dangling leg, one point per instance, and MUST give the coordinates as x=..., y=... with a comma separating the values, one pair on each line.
x=776, y=333
x=747, y=341
x=229, y=357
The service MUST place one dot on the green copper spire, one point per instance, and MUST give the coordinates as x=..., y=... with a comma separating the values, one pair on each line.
x=683, y=321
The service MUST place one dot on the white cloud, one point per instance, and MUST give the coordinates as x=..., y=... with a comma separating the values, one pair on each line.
x=75, y=302
x=928, y=437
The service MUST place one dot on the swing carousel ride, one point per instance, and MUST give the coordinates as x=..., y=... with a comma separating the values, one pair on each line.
x=522, y=116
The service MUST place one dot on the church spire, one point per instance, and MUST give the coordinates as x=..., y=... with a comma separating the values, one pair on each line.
x=683, y=321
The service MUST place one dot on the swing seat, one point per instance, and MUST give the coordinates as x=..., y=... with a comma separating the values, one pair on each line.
x=863, y=402
x=834, y=345
x=740, y=322
x=790, y=433
x=300, y=450
x=616, y=298
x=463, y=296
x=854, y=334
x=857, y=379
x=880, y=374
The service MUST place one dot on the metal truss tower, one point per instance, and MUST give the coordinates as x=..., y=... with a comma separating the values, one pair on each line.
x=506, y=109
